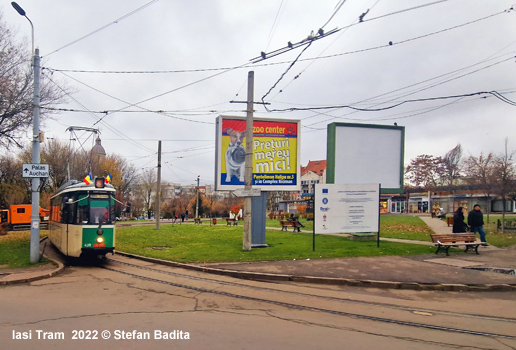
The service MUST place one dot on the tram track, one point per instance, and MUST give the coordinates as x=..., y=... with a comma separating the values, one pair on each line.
x=272, y=296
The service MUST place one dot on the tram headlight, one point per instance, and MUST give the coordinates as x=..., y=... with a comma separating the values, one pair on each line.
x=100, y=239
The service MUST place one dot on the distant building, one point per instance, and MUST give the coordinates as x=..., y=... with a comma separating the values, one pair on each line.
x=313, y=173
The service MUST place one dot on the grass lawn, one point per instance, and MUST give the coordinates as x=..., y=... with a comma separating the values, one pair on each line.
x=194, y=243
x=221, y=243
x=15, y=249
x=404, y=227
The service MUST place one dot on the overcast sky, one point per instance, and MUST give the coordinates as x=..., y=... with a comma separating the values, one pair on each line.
x=170, y=56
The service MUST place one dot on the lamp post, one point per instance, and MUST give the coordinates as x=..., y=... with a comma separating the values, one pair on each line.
x=197, y=202
x=34, y=219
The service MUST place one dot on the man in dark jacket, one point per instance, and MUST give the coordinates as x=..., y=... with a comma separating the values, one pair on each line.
x=476, y=223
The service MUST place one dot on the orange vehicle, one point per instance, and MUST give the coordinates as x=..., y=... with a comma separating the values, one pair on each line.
x=18, y=216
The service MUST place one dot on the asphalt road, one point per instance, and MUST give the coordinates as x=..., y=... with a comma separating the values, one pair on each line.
x=107, y=307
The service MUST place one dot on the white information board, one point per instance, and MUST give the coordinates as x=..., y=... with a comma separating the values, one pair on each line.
x=346, y=208
x=365, y=154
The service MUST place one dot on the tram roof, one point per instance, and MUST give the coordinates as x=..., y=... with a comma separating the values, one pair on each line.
x=80, y=185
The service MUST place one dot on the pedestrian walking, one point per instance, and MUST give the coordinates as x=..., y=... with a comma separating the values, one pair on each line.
x=459, y=226
x=476, y=223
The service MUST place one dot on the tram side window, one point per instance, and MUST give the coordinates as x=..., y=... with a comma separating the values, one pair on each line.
x=67, y=211
x=113, y=216
x=99, y=211
x=82, y=209
x=55, y=210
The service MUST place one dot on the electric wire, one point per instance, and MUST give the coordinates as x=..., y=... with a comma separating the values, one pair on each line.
x=284, y=73
x=129, y=105
x=274, y=24
x=112, y=129
x=493, y=93
x=104, y=27
x=310, y=39
x=327, y=47
x=278, y=63
x=452, y=73
x=335, y=10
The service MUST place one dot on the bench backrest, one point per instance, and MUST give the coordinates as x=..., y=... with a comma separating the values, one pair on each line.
x=453, y=237
x=289, y=223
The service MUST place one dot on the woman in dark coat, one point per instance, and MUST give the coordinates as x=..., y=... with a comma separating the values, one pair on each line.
x=459, y=225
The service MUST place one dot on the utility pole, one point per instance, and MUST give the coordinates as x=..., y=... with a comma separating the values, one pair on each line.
x=158, y=188
x=36, y=139
x=248, y=177
x=34, y=219
x=197, y=202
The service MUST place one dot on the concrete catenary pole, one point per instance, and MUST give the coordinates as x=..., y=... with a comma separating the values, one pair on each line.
x=158, y=188
x=197, y=199
x=248, y=177
x=34, y=219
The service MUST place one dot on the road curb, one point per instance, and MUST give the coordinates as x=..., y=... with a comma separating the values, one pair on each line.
x=330, y=280
x=55, y=272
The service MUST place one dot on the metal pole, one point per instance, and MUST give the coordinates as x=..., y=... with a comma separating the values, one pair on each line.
x=34, y=219
x=158, y=188
x=197, y=200
x=248, y=178
x=378, y=230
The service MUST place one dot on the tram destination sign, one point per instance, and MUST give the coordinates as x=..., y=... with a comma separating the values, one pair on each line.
x=35, y=170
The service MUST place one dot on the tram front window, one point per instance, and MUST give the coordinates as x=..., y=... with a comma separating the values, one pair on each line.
x=99, y=212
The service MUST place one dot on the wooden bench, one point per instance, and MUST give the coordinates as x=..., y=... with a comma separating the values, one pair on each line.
x=294, y=224
x=508, y=224
x=198, y=221
x=232, y=221
x=445, y=241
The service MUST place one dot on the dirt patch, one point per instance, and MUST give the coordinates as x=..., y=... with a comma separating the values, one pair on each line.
x=406, y=228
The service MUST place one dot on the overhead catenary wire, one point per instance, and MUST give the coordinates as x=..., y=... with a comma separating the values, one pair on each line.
x=129, y=105
x=321, y=33
x=493, y=93
x=452, y=73
x=314, y=60
x=116, y=21
x=274, y=24
x=114, y=130
x=386, y=45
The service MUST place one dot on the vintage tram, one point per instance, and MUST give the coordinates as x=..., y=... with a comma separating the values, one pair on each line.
x=82, y=218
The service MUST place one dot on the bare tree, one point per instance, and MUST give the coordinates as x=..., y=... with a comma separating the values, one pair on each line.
x=425, y=171
x=56, y=154
x=16, y=92
x=145, y=189
x=13, y=188
x=479, y=172
x=452, y=165
x=505, y=171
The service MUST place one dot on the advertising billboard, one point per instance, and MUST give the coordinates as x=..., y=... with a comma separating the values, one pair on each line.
x=275, y=154
x=346, y=208
x=366, y=153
